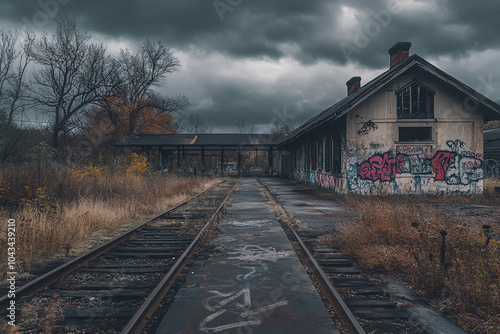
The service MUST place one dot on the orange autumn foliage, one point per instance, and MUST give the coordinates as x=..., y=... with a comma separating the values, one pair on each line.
x=124, y=119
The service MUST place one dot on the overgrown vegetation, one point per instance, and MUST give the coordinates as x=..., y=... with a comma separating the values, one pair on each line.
x=59, y=209
x=452, y=260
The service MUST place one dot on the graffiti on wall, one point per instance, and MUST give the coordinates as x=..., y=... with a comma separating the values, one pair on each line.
x=455, y=167
x=492, y=168
x=356, y=184
x=319, y=178
x=327, y=180
x=459, y=146
x=452, y=169
x=441, y=161
x=464, y=170
x=406, y=159
x=414, y=159
x=379, y=167
x=366, y=128
x=455, y=145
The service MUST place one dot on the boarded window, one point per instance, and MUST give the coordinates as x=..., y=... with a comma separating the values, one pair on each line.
x=415, y=102
x=415, y=134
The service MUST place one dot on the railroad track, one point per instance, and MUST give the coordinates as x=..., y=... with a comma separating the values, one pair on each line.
x=116, y=287
x=361, y=305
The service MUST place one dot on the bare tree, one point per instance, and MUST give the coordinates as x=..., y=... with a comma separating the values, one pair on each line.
x=73, y=75
x=245, y=127
x=8, y=56
x=13, y=66
x=193, y=123
x=287, y=125
x=283, y=127
x=140, y=73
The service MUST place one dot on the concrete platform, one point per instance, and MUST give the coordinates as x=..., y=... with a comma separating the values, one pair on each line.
x=316, y=214
x=253, y=283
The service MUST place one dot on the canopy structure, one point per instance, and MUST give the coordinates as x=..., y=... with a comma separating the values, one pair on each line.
x=166, y=144
x=492, y=144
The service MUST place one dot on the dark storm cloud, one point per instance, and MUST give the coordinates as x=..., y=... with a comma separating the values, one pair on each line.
x=333, y=39
x=235, y=100
x=481, y=18
x=308, y=31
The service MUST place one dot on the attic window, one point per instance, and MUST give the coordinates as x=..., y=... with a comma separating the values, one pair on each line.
x=415, y=102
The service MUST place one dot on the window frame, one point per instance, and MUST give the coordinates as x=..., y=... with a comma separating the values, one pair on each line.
x=414, y=91
x=424, y=141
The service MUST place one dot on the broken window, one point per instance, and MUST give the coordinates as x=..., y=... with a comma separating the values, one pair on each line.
x=415, y=102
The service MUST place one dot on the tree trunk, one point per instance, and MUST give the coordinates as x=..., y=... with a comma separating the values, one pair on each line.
x=55, y=134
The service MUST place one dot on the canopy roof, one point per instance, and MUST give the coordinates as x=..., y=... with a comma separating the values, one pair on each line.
x=228, y=141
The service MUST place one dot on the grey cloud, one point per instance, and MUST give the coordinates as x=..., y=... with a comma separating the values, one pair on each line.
x=234, y=99
x=309, y=32
x=263, y=28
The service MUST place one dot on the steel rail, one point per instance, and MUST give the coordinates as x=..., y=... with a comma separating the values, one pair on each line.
x=145, y=312
x=54, y=275
x=334, y=298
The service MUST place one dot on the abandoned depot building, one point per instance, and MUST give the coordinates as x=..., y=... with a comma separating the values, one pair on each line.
x=412, y=130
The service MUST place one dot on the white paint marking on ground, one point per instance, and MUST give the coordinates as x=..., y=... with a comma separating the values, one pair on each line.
x=243, y=310
x=250, y=275
x=264, y=308
x=255, y=271
x=224, y=327
x=327, y=208
x=253, y=253
x=249, y=223
x=231, y=296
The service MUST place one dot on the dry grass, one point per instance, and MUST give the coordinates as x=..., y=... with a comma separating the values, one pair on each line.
x=404, y=236
x=280, y=213
x=40, y=313
x=489, y=188
x=78, y=212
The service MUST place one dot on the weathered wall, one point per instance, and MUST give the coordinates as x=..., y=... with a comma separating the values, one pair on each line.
x=376, y=163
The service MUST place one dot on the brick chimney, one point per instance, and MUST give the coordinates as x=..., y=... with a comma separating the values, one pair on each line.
x=399, y=52
x=353, y=85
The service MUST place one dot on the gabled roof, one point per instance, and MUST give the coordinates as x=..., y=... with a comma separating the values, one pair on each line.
x=196, y=141
x=415, y=61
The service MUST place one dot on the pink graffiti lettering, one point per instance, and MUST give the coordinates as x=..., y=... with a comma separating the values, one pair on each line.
x=379, y=167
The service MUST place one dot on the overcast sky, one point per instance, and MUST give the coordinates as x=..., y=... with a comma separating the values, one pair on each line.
x=258, y=60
